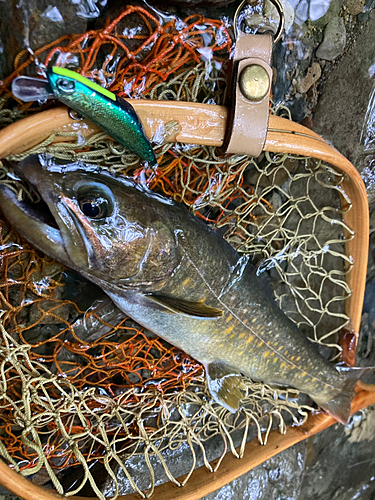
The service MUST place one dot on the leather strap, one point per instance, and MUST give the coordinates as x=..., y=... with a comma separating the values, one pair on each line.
x=249, y=121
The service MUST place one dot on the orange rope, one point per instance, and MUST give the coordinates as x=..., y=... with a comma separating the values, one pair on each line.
x=160, y=50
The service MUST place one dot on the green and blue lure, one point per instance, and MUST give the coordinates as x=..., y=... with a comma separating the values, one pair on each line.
x=110, y=112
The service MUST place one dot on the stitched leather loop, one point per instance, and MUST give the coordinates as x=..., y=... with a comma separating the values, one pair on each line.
x=249, y=120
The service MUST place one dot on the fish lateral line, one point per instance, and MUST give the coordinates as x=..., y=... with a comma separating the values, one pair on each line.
x=230, y=311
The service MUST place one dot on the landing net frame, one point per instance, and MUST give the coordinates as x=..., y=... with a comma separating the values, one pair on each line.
x=199, y=124
x=284, y=136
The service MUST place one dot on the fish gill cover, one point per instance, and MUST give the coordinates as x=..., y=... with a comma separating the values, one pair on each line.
x=79, y=383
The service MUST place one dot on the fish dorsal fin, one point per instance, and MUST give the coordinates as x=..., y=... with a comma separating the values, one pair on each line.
x=181, y=306
x=225, y=385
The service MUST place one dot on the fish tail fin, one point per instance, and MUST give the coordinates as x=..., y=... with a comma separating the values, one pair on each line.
x=339, y=406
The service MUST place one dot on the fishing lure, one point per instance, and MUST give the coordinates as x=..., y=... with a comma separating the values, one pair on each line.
x=110, y=112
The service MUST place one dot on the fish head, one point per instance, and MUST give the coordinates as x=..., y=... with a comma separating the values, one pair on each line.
x=104, y=227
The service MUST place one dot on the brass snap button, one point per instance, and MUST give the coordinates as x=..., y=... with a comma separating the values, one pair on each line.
x=254, y=82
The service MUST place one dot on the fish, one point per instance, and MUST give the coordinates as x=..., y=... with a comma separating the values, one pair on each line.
x=110, y=112
x=173, y=274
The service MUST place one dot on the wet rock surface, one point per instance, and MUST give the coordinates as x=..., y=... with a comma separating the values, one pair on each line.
x=334, y=40
x=345, y=469
x=355, y=7
x=344, y=112
x=33, y=23
x=276, y=479
x=178, y=463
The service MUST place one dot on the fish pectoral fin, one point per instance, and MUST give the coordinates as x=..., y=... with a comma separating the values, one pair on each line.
x=225, y=385
x=180, y=306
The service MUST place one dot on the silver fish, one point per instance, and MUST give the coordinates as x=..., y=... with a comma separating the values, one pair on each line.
x=174, y=275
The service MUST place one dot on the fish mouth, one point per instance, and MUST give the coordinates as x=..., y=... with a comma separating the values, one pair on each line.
x=47, y=225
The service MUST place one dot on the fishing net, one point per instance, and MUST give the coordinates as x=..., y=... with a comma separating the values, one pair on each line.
x=81, y=386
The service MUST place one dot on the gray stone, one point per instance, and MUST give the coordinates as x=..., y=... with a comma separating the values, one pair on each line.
x=291, y=59
x=332, y=12
x=288, y=15
x=179, y=462
x=340, y=461
x=279, y=478
x=355, y=7
x=334, y=40
x=343, y=114
x=34, y=23
x=363, y=17
x=366, y=342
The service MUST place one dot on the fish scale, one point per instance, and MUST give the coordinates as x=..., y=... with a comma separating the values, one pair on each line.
x=175, y=276
x=251, y=331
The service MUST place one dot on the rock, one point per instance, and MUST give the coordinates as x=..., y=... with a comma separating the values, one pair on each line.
x=292, y=58
x=298, y=107
x=334, y=40
x=363, y=17
x=89, y=9
x=34, y=23
x=332, y=12
x=368, y=175
x=276, y=479
x=288, y=15
x=340, y=461
x=313, y=74
x=315, y=10
x=178, y=460
x=344, y=114
x=58, y=316
x=355, y=7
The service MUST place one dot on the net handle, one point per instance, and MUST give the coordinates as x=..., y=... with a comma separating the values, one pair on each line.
x=203, y=124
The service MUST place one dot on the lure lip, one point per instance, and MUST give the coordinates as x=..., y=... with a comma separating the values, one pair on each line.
x=29, y=89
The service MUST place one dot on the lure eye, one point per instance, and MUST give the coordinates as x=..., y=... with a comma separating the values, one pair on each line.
x=94, y=207
x=66, y=86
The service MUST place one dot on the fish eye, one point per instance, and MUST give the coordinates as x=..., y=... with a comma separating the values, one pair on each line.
x=95, y=199
x=95, y=207
x=65, y=85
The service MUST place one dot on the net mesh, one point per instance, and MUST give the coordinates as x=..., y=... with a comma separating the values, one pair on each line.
x=79, y=383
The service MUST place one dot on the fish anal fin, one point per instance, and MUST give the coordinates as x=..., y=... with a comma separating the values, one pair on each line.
x=225, y=385
x=181, y=306
x=340, y=405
